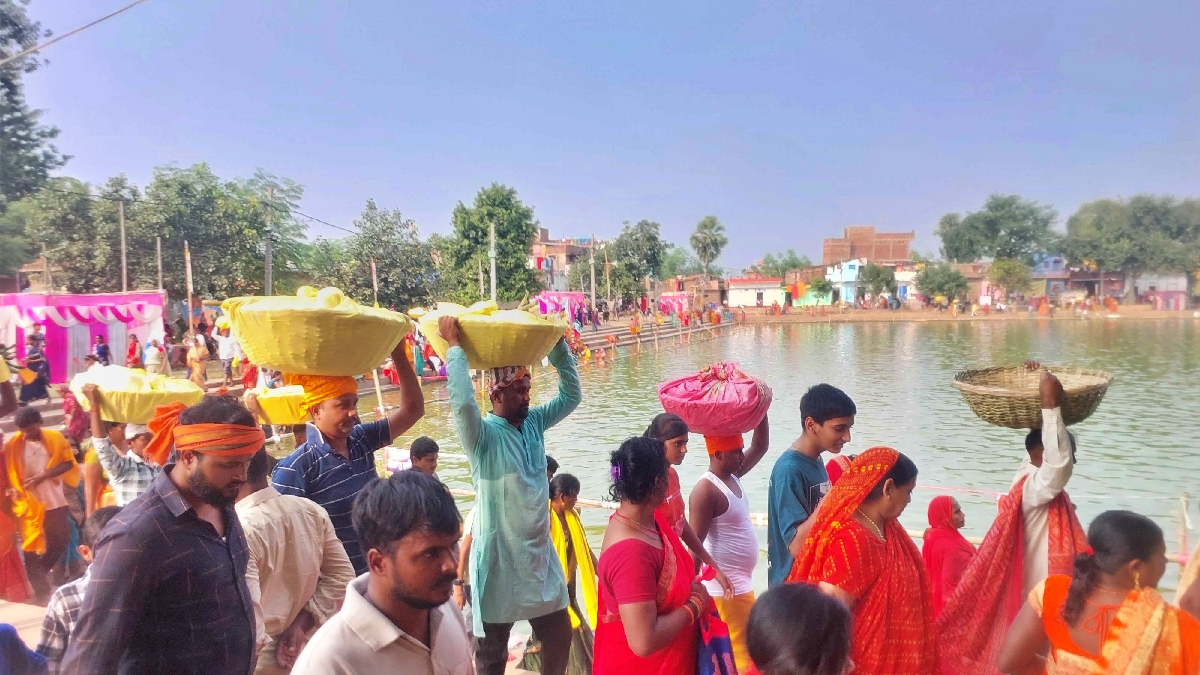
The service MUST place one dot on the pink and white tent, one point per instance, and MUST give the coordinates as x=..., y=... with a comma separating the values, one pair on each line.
x=72, y=322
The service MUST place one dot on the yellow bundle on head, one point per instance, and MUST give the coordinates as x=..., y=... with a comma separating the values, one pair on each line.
x=493, y=337
x=130, y=396
x=320, y=388
x=282, y=405
x=315, y=333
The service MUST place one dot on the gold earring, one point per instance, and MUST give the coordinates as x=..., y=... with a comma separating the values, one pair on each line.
x=1137, y=582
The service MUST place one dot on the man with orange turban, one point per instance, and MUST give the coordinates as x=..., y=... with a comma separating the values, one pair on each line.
x=337, y=458
x=168, y=577
x=719, y=513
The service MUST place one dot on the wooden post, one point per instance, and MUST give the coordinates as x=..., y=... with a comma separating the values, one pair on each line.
x=124, y=264
x=269, y=282
x=187, y=262
x=158, y=254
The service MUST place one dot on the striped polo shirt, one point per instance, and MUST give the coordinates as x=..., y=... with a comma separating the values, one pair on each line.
x=315, y=472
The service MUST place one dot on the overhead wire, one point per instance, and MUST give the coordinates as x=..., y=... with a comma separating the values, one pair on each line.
x=47, y=43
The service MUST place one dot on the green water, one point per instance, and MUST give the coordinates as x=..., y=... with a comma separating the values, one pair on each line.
x=1137, y=452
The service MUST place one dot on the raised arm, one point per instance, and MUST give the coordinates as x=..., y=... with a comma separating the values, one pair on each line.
x=569, y=393
x=759, y=443
x=462, y=391
x=111, y=461
x=1052, y=476
x=412, y=401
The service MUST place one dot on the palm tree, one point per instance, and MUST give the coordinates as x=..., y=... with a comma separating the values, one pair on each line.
x=708, y=241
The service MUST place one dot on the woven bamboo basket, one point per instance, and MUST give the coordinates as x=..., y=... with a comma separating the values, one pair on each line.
x=1008, y=396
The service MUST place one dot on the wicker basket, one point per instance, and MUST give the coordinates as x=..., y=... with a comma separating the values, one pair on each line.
x=1008, y=397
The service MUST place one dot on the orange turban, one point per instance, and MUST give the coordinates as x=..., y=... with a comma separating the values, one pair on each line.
x=321, y=388
x=223, y=440
x=717, y=444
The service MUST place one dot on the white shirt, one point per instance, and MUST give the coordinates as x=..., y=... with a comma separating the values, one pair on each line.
x=361, y=640
x=1042, y=486
x=227, y=346
x=50, y=491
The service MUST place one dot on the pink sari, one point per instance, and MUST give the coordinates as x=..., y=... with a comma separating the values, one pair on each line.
x=612, y=653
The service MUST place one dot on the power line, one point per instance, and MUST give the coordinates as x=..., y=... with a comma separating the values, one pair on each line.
x=64, y=36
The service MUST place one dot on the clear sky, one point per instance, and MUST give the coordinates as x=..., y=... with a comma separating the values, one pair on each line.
x=789, y=121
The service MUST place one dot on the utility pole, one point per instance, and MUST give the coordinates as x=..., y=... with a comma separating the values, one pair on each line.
x=593, y=263
x=479, y=263
x=124, y=265
x=607, y=277
x=375, y=290
x=269, y=286
x=158, y=252
x=187, y=264
x=46, y=270
x=492, y=254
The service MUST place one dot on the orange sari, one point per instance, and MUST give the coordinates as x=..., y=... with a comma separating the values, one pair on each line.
x=893, y=610
x=1147, y=636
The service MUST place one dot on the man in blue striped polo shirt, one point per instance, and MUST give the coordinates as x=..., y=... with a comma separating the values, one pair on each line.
x=338, y=458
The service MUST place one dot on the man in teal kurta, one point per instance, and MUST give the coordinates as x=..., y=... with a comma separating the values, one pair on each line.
x=515, y=573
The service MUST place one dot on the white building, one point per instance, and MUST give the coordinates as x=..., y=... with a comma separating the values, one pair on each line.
x=756, y=292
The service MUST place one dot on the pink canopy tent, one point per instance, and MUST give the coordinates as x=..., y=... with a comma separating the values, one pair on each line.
x=674, y=301
x=72, y=322
x=551, y=302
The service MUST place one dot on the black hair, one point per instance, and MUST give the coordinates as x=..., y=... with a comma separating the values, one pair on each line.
x=903, y=472
x=387, y=510
x=564, y=485
x=795, y=629
x=260, y=467
x=551, y=464
x=27, y=417
x=1033, y=439
x=824, y=402
x=666, y=426
x=94, y=525
x=422, y=448
x=217, y=409
x=636, y=469
x=1116, y=538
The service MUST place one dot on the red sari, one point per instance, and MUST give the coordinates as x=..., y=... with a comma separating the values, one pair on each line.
x=633, y=571
x=947, y=553
x=672, y=508
x=893, y=610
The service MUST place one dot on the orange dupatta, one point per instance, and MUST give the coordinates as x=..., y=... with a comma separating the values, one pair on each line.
x=886, y=646
x=28, y=511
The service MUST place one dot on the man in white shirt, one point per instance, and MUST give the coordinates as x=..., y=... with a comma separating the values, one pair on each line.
x=397, y=617
x=228, y=349
x=298, y=568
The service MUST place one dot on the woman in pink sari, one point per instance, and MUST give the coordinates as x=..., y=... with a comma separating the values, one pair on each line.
x=649, y=604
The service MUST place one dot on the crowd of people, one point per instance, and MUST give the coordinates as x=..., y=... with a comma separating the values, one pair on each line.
x=198, y=553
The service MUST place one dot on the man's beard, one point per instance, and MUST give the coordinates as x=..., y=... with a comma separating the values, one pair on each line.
x=406, y=594
x=206, y=492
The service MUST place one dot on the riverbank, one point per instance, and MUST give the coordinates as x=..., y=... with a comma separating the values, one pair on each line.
x=803, y=315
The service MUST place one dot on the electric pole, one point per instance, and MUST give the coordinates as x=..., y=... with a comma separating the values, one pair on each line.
x=158, y=252
x=187, y=263
x=607, y=277
x=593, y=264
x=492, y=254
x=269, y=286
x=124, y=265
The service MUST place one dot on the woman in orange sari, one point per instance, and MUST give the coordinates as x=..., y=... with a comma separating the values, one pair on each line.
x=858, y=552
x=649, y=605
x=1106, y=617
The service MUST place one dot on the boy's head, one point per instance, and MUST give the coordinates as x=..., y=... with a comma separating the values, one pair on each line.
x=92, y=527
x=551, y=467
x=828, y=414
x=1033, y=445
x=424, y=455
x=138, y=436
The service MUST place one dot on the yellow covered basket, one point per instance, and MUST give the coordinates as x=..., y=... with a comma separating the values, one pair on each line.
x=130, y=396
x=492, y=337
x=282, y=405
x=315, y=333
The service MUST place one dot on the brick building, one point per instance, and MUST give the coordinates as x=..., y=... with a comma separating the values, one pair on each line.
x=554, y=257
x=862, y=241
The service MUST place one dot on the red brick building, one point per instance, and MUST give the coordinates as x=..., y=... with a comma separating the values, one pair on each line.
x=862, y=241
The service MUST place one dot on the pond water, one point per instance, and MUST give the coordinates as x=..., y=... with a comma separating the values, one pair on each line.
x=1135, y=453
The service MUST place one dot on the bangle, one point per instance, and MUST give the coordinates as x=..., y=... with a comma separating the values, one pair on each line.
x=689, y=608
x=456, y=582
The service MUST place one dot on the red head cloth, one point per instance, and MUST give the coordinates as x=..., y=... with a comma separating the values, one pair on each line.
x=499, y=378
x=836, y=467
x=211, y=439
x=946, y=551
x=716, y=444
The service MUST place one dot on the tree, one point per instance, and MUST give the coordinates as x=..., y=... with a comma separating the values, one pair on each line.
x=771, y=266
x=820, y=286
x=626, y=276
x=1010, y=274
x=15, y=249
x=63, y=218
x=708, y=240
x=516, y=230
x=877, y=279
x=642, y=247
x=678, y=262
x=27, y=155
x=941, y=279
x=1007, y=227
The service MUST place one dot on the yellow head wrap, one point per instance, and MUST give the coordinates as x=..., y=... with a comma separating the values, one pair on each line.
x=321, y=388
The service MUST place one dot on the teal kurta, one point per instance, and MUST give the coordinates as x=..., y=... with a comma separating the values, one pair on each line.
x=515, y=572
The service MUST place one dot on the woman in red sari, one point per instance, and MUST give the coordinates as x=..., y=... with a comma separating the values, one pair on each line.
x=947, y=553
x=858, y=552
x=649, y=604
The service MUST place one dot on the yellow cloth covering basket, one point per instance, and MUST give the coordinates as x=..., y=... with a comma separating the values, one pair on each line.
x=495, y=338
x=315, y=333
x=282, y=405
x=129, y=396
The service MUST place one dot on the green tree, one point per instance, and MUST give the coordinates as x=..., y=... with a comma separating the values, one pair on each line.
x=516, y=230
x=708, y=240
x=626, y=276
x=1007, y=227
x=677, y=261
x=27, y=154
x=15, y=249
x=778, y=266
x=85, y=248
x=641, y=247
x=877, y=279
x=820, y=286
x=1011, y=275
x=941, y=279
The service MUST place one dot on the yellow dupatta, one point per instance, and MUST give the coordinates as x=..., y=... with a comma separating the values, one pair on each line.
x=583, y=561
x=29, y=512
x=1144, y=639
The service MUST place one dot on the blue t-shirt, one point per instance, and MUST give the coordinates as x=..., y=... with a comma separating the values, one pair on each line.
x=798, y=484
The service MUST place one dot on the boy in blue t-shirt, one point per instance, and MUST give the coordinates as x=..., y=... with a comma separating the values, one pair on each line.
x=799, y=481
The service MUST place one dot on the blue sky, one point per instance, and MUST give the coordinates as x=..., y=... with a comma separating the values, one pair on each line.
x=788, y=121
